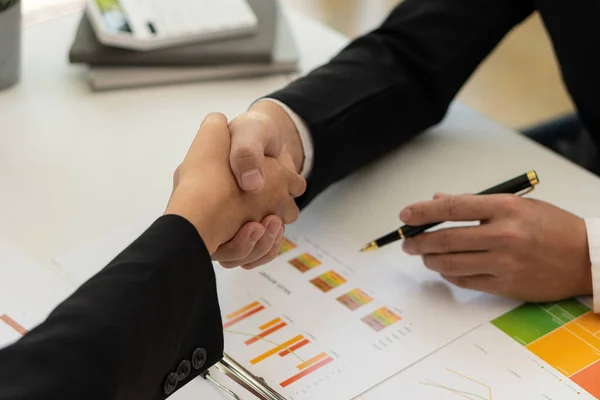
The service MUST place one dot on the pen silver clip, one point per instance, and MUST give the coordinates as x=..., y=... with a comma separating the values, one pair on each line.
x=525, y=191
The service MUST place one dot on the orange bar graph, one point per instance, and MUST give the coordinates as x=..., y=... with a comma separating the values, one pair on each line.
x=307, y=371
x=265, y=333
x=276, y=350
x=13, y=324
x=313, y=360
x=269, y=324
x=243, y=316
x=294, y=348
x=243, y=310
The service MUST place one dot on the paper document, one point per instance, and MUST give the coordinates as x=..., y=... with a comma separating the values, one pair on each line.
x=28, y=293
x=324, y=321
x=549, y=352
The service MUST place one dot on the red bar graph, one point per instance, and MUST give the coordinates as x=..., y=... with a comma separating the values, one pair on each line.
x=264, y=334
x=13, y=324
x=276, y=350
x=294, y=348
x=242, y=314
x=307, y=371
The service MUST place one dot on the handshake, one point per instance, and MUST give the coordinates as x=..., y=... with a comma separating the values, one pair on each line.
x=237, y=184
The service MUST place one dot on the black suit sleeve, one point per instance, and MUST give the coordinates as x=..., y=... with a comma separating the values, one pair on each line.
x=391, y=84
x=141, y=328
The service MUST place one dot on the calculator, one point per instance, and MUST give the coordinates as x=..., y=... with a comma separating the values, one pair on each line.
x=145, y=25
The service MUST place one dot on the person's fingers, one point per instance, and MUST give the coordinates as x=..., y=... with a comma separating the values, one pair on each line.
x=451, y=240
x=271, y=254
x=241, y=245
x=462, y=264
x=296, y=183
x=450, y=208
x=211, y=142
x=175, y=183
x=263, y=246
x=289, y=211
x=482, y=283
x=251, y=140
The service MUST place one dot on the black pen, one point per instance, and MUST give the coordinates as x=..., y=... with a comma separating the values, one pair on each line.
x=520, y=185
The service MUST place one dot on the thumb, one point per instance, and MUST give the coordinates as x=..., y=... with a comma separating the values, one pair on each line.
x=252, y=138
x=212, y=142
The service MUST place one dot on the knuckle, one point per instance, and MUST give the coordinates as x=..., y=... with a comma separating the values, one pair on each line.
x=450, y=205
x=461, y=282
x=429, y=262
x=245, y=151
x=510, y=204
x=292, y=214
x=228, y=264
x=445, y=240
x=272, y=254
x=510, y=236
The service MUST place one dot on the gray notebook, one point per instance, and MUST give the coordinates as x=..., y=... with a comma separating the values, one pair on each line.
x=285, y=60
x=86, y=48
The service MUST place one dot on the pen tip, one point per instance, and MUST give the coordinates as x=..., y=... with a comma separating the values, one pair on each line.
x=369, y=247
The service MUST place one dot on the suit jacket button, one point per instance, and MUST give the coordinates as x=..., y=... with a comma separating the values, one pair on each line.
x=171, y=383
x=183, y=369
x=198, y=358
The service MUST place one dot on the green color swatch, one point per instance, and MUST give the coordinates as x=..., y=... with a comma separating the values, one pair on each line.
x=530, y=322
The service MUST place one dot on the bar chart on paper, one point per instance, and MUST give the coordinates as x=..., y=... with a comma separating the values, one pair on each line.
x=317, y=316
x=305, y=262
x=328, y=281
x=265, y=341
x=566, y=335
x=286, y=245
x=10, y=330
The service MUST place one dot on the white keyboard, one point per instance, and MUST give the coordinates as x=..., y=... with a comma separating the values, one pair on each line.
x=154, y=24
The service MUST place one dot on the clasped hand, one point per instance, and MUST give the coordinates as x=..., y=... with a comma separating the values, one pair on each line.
x=206, y=193
x=247, y=171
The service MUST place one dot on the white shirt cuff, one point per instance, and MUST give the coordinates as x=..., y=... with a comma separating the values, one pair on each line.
x=305, y=138
x=593, y=236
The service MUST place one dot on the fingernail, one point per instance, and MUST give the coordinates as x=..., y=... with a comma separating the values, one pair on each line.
x=405, y=215
x=408, y=247
x=274, y=226
x=255, y=235
x=252, y=179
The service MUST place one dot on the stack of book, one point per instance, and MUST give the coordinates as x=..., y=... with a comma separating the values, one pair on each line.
x=271, y=50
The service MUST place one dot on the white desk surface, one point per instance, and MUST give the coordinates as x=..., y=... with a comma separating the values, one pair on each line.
x=75, y=165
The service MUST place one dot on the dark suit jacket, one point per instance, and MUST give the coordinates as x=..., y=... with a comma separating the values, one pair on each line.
x=391, y=84
x=140, y=329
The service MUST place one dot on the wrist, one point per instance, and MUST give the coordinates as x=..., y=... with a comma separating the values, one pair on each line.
x=208, y=217
x=285, y=126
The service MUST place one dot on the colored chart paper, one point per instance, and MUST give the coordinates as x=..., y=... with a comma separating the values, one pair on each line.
x=14, y=325
x=566, y=335
x=327, y=281
x=305, y=262
x=354, y=299
x=286, y=245
x=381, y=319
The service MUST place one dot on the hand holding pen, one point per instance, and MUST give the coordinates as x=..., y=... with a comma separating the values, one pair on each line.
x=519, y=185
x=524, y=248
